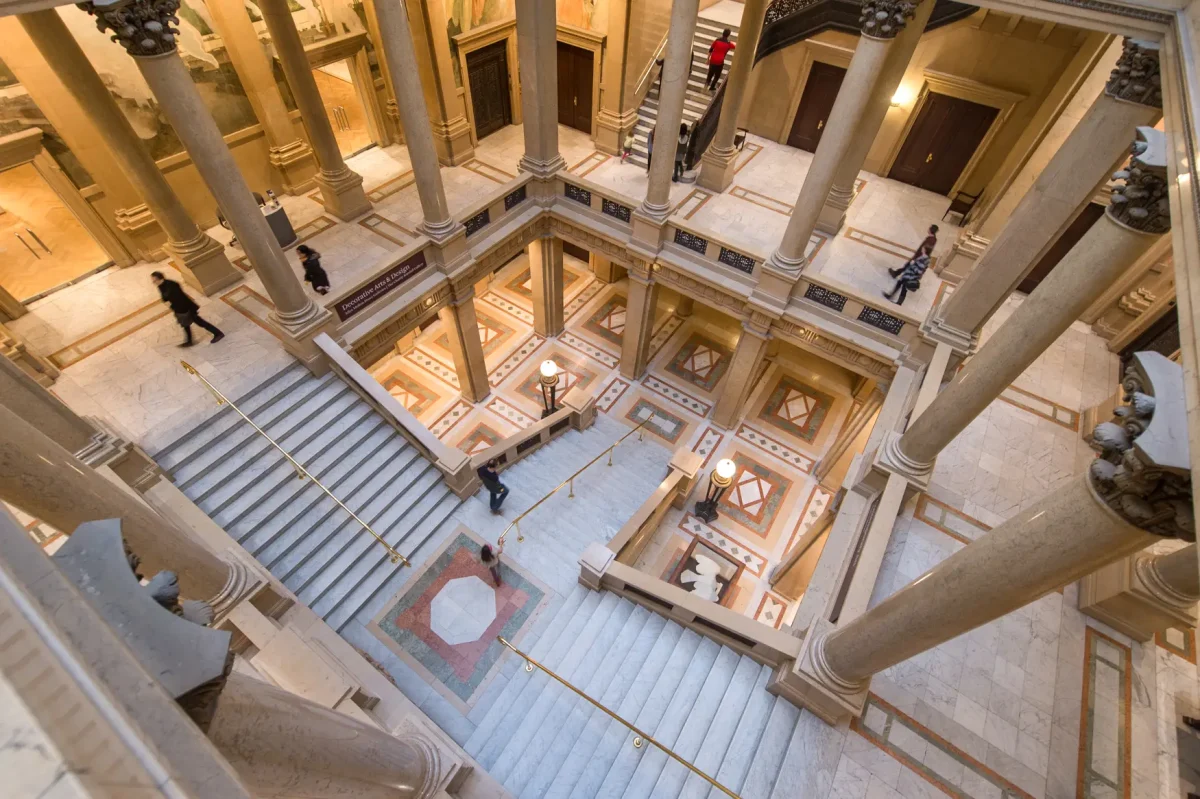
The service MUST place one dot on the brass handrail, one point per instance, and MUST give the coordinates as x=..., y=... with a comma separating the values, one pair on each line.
x=639, y=737
x=301, y=472
x=516, y=522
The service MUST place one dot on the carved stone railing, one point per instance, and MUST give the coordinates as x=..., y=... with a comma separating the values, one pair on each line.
x=480, y=217
x=697, y=244
x=602, y=204
x=578, y=412
x=882, y=321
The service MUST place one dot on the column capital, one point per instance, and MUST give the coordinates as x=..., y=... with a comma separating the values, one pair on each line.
x=1141, y=203
x=1136, y=77
x=142, y=27
x=758, y=323
x=1146, y=568
x=883, y=19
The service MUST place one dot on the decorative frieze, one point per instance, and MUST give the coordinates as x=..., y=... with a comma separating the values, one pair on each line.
x=1139, y=200
x=142, y=27
x=1136, y=77
x=835, y=349
x=883, y=19
x=710, y=295
x=590, y=240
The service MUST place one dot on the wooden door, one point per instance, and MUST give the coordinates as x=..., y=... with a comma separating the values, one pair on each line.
x=1069, y=238
x=941, y=142
x=575, y=87
x=820, y=90
x=487, y=70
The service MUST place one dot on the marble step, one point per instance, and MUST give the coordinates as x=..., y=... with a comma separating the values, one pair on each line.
x=622, y=658
x=225, y=418
x=768, y=755
x=811, y=759
x=739, y=754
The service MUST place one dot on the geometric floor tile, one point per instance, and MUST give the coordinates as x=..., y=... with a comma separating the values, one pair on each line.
x=481, y=438
x=522, y=283
x=608, y=322
x=661, y=423
x=701, y=361
x=570, y=374
x=492, y=333
x=755, y=497
x=796, y=408
x=415, y=397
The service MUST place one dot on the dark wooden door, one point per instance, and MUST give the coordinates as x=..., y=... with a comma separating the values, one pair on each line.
x=487, y=70
x=820, y=90
x=575, y=87
x=941, y=141
x=1069, y=238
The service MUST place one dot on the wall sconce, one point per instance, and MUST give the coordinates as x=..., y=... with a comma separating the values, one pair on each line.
x=903, y=96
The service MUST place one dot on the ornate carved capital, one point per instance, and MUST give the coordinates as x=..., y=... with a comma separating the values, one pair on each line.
x=1136, y=77
x=142, y=27
x=1141, y=472
x=883, y=19
x=1140, y=202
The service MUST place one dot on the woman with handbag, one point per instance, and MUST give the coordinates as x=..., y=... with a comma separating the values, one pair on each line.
x=908, y=277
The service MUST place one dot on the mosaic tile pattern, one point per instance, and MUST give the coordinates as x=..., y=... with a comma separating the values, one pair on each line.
x=407, y=623
x=457, y=412
x=662, y=423
x=796, y=408
x=415, y=398
x=483, y=437
x=522, y=284
x=578, y=344
x=581, y=299
x=608, y=321
x=611, y=393
x=700, y=361
x=571, y=374
x=509, y=307
x=665, y=330
x=678, y=396
x=493, y=333
x=707, y=444
x=432, y=365
x=519, y=356
x=776, y=448
x=755, y=497
x=814, y=506
x=509, y=413
x=752, y=561
x=771, y=609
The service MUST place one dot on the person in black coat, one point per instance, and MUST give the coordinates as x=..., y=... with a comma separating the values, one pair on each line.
x=187, y=312
x=491, y=481
x=314, y=274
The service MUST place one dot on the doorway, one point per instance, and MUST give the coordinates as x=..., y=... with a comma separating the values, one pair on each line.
x=575, y=67
x=941, y=142
x=820, y=91
x=42, y=245
x=1080, y=225
x=487, y=71
x=343, y=107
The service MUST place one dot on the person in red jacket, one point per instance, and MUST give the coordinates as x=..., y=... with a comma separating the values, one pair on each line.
x=716, y=59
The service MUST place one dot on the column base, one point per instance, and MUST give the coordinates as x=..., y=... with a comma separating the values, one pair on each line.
x=1127, y=597
x=203, y=263
x=342, y=194
x=445, y=771
x=297, y=334
x=890, y=459
x=297, y=165
x=612, y=128
x=962, y=342
x=452, y=140
x=809, y=683
x=966, y=251
x=716, y=169
x=777, y=277
x=649, y=227
x=833, y=213
x=143, y=230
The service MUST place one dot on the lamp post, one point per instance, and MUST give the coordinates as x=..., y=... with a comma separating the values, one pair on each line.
x=549, y=380
x=719, y=479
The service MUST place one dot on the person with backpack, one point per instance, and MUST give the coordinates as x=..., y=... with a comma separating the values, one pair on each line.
x=908, y=277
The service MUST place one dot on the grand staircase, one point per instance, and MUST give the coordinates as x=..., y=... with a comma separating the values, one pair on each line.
x=289, y=525
x=697, y=98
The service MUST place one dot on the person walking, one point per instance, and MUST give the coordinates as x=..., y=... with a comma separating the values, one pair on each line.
x=491, y=559
x=491, y=481
x=716, y=59
x=929, y=243
x=908, y=277
x=627, y=147
x=310, y=259
x=186, y=311
x=681, y=145
x=650, y=148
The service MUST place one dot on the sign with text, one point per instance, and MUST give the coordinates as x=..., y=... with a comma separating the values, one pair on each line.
x=381, y=285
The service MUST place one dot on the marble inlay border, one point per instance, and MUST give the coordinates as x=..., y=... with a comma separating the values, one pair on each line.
x=592, y=162
x=1105, y=718
x=306, y=232
x=894, y=248
x=507, y=306
x=514, y=361
x=1187, y=651
x=590, y=290
x=1049, y=410
x=484, y=169
x=753, y=149
x=696, y=194
x=509, y=413
x=613, y=392
x=761, y=200
x=391, y=186
x=814, y=506
x=676, y=395
x=707, y=444
x=887, y=727
x=664, y=332
x=771, y=610
x=452, y=416
x=775, y=448
x=427, y=363
x=943, y=517
x=252, y=305
x=597, y=354
x=378, y=223
x=111, y=333
x=742, y=553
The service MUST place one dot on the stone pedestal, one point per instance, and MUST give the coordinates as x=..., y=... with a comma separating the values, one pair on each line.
x=1144, y=594
x=739, y=380
x=639, y=322
x=462, y=330
x=546, y=282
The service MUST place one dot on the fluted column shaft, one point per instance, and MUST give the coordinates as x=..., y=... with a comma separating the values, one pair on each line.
x=1064, y=186
x=46, y=481
x=677, y=65
x=203, y=261
x=396, y=39
x=537, y=47
x=281, y=744
x=716, y=171
x=341, y=188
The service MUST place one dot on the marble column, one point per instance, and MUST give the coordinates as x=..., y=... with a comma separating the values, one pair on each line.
x=200, y=258
x=613, y=120
x=546, y=282
x=604, y=269
x=685, y=307
x=1132, y=97
x=848, y=434
x=290, y=155
x=46, y=481
x=881, y=21
x=1138, y=215
x=677, y=66
x=743, y=368
x=833, y=214
x=341, y=188
x=1145, y=593
x=537, y=47
x=281, y=744
x=143, y=28
x=397, y=43
x=1137, y=490
x=718, y=162
x=462, y=330
x=22, y=395
x=639, y=320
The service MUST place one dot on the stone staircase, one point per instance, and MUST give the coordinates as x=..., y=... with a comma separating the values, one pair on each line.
x=697, y=98
x=705, y=701
x=306, y=540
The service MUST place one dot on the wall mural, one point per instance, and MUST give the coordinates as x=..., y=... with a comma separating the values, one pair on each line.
x=19, y=112
x=467, y=15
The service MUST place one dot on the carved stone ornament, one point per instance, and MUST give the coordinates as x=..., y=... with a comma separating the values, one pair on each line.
x=1136, y=77
x=1142, y=471
x=883, y=19
x=1140, y=200
x=142, y=27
